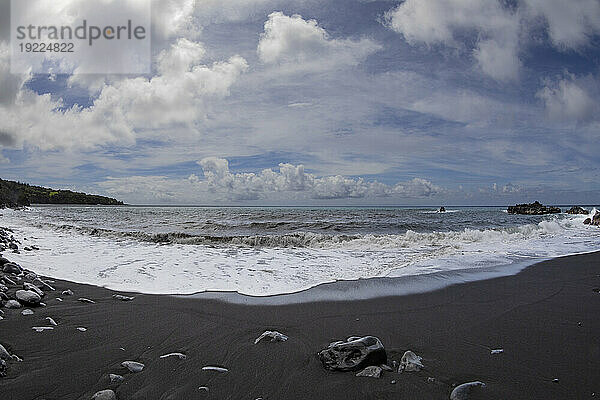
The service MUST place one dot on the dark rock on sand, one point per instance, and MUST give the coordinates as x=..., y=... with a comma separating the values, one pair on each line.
x=133, y=366
x=67, y=292
x=28, y=297
x=114, y=378
x=33, y=288
x=11, y=268
x=41, y=284
x=274, y=336
x=105, y=395
x=9, y=281
x=387, y=368
x=30, y=276
x=353, y=354
x=577, y=210
x=4, y=354
x=3, y=261
x=371, y=371
x=533, y=209
x=3, y=288
x=12, y=304
x=462, y=392
x=122, y=298
x=410, y=362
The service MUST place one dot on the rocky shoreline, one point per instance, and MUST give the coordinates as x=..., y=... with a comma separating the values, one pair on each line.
x=535, y=208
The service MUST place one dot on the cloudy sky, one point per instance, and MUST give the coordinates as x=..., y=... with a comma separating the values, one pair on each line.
x=324, y=102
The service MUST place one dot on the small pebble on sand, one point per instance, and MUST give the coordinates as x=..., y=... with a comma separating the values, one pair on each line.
x=84, y=300
x=216, y=369
x=181, y=356
x=133, y=366
x=42, y=328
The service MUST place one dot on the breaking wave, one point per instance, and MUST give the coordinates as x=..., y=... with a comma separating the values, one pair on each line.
x=263, y=252
x=329, y=241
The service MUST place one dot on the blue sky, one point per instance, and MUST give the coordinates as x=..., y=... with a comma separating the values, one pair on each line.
x=325, y=102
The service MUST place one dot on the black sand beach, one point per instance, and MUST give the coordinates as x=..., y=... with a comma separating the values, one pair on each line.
x=545, y=319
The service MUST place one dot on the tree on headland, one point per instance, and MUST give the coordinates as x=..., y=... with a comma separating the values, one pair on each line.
x=17, y=194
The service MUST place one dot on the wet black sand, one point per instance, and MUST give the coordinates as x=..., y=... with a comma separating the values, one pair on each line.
x=546, y=318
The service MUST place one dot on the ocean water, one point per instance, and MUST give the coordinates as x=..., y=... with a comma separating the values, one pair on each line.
x=270, y=251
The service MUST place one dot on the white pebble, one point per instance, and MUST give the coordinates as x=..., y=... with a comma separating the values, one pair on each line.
x=181, y=356
x=42, y=328
x=84, y=300
x=213, y=368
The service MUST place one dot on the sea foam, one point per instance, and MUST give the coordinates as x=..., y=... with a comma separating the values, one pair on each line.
x=270, y=264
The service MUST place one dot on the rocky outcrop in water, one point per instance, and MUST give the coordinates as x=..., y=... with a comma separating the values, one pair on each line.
x=535, y=208
x=577, y=210
x=596, y=219
x=353, y=354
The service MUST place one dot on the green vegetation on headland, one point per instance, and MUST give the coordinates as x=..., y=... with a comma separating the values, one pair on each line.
x=16, y=194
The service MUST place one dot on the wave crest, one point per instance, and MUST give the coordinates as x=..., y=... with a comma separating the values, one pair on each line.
x=408, y=239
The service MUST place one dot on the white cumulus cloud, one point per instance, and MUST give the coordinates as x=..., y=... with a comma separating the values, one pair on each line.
x=500, y=31
x=289, y=183
x=179, y=94
x=303, y=44
x=294, y=179
x=434, y=22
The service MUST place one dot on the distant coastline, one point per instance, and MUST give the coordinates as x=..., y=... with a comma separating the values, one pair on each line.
x=17, y=194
